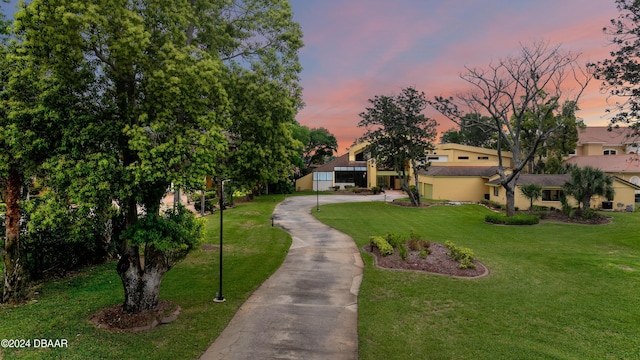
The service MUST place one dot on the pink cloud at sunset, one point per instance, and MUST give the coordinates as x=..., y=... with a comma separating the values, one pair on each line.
x=357, y=49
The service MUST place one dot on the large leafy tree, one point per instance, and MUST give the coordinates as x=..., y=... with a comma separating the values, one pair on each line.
x=30, y=106
x=260, y=132
x=586, y=182
x=399, y=135
x=561, y=140
x=320, y=148
x=620, y=74
x=158, y=75
x=473, y=131
x=520, y=94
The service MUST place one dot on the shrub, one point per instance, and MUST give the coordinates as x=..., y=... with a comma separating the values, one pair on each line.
x=414, y=235
x=376, y=189
x=382, y=244
x=424, y=253
x=588, y=213
x=518, y=219
x=3, y=208
x=418, y=244
x=336, y=188
x=395, y=240
x=403, y=251
x=464, y=256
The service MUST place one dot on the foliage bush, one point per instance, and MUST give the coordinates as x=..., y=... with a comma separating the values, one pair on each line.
x=518, y=219
x=402, y=248
x=336, y=188
x=464, y=256
x=376, y=189
x=210, y=200
x=3, y=208
x=424, y=253
x=382, y=244
x=395, y=239
x=418, y=245
x=492, y=204
x=413, y=235
x=59, y=237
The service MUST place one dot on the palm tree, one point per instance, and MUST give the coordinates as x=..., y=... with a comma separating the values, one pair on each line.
x=532, y=192
x=586, y=182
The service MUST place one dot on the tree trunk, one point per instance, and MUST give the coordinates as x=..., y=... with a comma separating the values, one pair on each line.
x=415, y=182
x=15, y=276
x=141, y=282
x=511, y=199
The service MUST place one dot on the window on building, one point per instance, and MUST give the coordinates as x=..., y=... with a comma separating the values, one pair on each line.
x=360, y=157
x=483, y=158
x=496, y=191
x=551, y=195
x=611, y=152
x=322, y=176
x=463, y=158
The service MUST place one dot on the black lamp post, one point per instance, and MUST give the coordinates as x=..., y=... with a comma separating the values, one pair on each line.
x=219, y=298
x=317, y=191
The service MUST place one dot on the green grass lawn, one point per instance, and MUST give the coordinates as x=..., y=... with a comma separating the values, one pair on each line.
x=252, y=251
x=555, y=291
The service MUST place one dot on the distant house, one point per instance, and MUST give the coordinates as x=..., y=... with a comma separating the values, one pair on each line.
x=456, y=183
x=598, y=140
x=552, y=191
x=466, y=173
x=354, y=169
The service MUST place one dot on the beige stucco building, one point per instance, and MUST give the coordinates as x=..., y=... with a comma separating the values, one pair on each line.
x=465, y=173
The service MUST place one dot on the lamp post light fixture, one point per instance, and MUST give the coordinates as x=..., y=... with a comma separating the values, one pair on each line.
x=219, y=298
x=317, y=191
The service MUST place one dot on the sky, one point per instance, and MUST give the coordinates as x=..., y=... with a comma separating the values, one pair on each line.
x=357, y=49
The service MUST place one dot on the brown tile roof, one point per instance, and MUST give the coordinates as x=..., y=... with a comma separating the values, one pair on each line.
x=544, y=180
x=608, y=163
x=601, y=134
x=342, y=160
x=484, y=171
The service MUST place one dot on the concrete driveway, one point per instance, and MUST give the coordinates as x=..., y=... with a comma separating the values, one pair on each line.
x=308, y=308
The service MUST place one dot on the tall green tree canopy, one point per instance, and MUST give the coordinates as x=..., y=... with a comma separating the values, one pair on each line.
x=318, y=146
x=160, y=80
x=620, y=74
x=399, y=135
x=474, y=130
x=521, y=94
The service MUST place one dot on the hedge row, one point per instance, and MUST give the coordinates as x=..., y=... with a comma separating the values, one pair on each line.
x=518, y=219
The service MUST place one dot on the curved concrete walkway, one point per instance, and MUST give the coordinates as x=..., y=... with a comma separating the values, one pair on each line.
x=308, y=308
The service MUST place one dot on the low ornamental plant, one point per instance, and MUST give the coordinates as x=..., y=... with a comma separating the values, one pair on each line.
x=518, y=219
x=395, y=239
x=382, y=244
x=464, y=256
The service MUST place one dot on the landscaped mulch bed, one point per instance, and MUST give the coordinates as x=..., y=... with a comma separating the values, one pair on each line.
x=115, y=319
x=437, y=262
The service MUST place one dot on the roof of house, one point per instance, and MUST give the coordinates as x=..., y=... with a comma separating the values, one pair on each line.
x=342, y=160
x=544, y=180
x=609, y=163
x=551, y=180
x=602, y=135
x=483, y=171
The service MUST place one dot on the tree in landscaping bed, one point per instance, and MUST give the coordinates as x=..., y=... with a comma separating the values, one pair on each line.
x=532, y=192
x=522, y=95
x=399, y=135
x=586, y=182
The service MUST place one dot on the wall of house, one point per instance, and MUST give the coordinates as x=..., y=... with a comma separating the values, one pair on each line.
x=623, y=197
x=462, y=155
x=456, y=188
x=305, y=183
